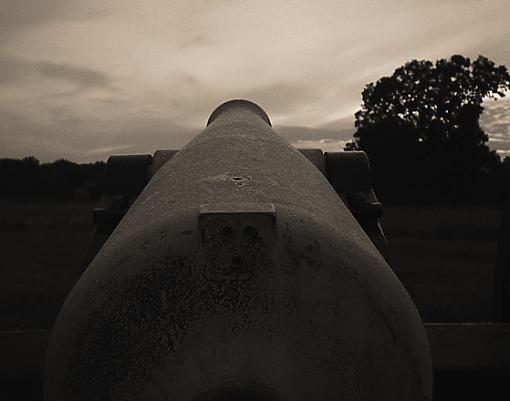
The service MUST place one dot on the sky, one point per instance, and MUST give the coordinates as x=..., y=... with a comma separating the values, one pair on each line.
x=83, y=79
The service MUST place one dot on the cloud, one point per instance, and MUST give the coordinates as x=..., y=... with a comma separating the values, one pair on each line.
x=88, y=140
x=130, y=75
x=495, y=121
x=14, y=69
x=85, y=77
x=200, y=39
x=326, y=145
x=83, y=140
x=281, y=97
x=299, y=133
x=21, y=13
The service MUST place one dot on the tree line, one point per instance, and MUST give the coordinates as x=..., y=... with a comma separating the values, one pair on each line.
x=420, y=128
x=28, y=179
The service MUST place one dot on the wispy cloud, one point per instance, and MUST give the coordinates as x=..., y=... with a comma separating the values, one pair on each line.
x=15, y=15
x=16, y=69
x=326, y=145
x=125, y=74
x=87, y=140
x=282, y=98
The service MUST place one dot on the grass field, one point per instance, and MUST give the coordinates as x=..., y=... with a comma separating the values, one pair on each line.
x=41, y=245
x=444, y=256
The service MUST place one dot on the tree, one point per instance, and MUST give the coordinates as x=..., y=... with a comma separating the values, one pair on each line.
x=19, y=178
x=422, y=123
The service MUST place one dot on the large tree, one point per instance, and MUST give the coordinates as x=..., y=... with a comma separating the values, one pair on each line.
x=421, y=125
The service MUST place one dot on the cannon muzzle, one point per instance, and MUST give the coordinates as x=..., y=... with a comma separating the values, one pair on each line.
x=238, y=273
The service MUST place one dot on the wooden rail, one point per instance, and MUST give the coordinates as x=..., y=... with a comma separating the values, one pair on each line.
x=469, y=346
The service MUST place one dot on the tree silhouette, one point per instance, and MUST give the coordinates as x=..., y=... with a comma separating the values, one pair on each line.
x=420, y=127
x=27, y=179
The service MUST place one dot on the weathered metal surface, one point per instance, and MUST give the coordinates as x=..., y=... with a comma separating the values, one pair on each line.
x=454, y=347
x=238, y=267
x=316, y=157
x=349, y=174
x=127, y=174
x=161, y=157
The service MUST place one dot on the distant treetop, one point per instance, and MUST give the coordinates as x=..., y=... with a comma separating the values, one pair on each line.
x=424, y=94
x=425, y=117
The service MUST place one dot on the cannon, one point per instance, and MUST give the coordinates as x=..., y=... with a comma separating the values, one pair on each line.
x=238, y=268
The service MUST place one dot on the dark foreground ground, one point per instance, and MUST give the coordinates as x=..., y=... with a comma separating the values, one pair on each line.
x=443, y=255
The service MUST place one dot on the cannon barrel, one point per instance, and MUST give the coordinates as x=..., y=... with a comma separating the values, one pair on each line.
x=238, y=273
